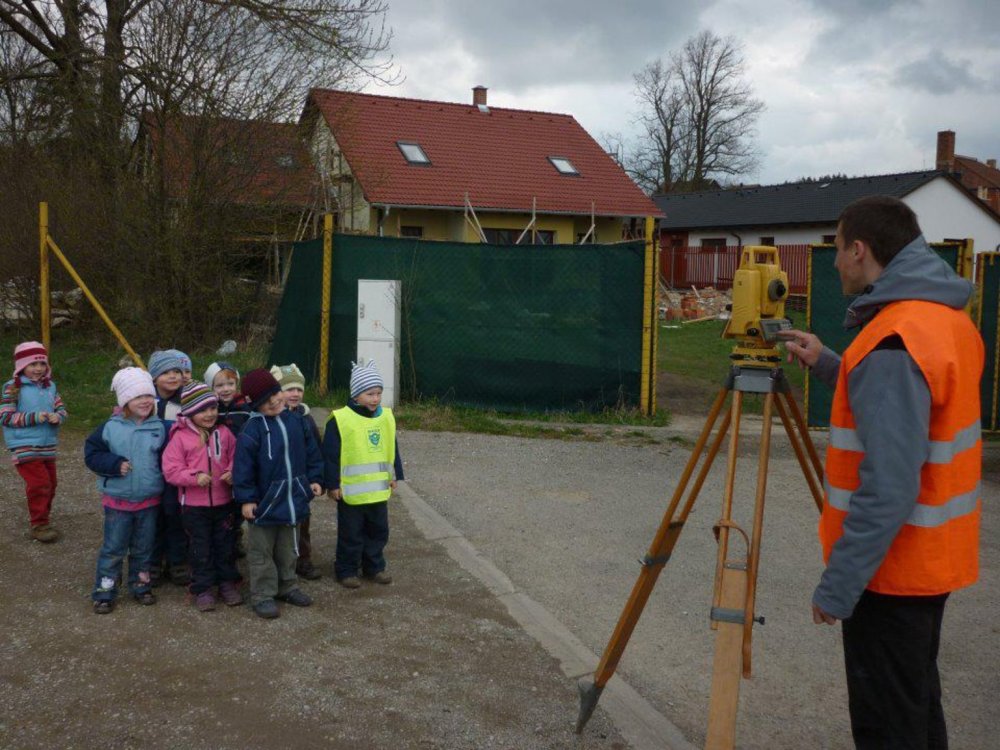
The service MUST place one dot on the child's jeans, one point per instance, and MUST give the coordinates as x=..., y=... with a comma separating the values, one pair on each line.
x=271, y=561
x=131, y=533
x=211, y=537
x=362, y=533
x=40, y=487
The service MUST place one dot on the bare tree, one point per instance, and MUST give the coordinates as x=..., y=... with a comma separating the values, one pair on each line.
x=697, y=117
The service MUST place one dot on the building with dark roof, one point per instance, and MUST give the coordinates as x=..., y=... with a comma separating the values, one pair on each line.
x=407, y=167
x=807, y=212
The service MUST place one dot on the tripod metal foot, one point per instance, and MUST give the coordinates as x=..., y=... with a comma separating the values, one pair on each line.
x=589, y=695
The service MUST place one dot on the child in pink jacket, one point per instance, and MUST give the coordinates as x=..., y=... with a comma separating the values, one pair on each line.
x=198, y=460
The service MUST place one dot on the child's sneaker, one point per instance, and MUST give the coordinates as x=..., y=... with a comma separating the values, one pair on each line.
x=230, y=594
x=381, y=577
x=44, y=533
x=205, y=601
x=350, y=582
x=146, y=598
x=267, y=609
x=296, y=598
x=103, y=607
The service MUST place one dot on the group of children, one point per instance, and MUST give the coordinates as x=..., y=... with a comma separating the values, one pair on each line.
x=183, y=464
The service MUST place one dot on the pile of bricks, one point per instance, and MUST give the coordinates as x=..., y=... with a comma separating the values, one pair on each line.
x=696, y=304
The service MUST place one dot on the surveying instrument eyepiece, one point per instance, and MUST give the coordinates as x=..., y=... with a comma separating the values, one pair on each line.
x=756, y=323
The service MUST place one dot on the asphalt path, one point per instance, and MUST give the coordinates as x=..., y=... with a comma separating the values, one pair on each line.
x=567, y=522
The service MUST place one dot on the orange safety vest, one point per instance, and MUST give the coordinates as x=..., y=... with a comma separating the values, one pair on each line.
x=937, y=549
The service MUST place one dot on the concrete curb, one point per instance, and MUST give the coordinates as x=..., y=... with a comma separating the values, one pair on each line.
x=643, y=726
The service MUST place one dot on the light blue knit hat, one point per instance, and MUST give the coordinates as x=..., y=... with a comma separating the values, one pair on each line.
x=167, y=359
x=364, y=377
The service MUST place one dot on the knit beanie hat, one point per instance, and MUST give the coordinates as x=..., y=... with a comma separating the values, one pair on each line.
x=27, y=352
x=364, y=377
x=132, y=382
x=290, y=376
x=167, y=359
x=185, y=359
x=196, y=397
x=215, y=368
x=258, y=386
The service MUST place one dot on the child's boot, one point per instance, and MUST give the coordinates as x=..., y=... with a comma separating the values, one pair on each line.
x=205, y=601
x=230, y=594
x=44, y=533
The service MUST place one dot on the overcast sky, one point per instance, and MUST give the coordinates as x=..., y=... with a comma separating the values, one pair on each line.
x=851, y=86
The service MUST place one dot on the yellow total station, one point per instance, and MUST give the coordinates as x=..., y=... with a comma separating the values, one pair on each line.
x=757, y=317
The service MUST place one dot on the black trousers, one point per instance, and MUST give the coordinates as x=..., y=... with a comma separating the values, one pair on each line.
x=893, y=686
x=362, y=533
x=211, y=546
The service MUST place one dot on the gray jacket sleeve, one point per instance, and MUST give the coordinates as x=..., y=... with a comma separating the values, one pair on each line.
x=827, y=367
x=891, y=404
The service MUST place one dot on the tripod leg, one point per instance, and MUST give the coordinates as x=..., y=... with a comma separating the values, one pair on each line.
x=793, y=407
x=735, y=411
x=659, y=552
x=807, y=471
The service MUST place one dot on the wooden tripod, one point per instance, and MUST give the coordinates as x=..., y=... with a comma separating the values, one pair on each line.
x=732, y=613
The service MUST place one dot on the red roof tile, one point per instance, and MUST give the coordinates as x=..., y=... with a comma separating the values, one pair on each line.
x=976, y=174
x=499, y=157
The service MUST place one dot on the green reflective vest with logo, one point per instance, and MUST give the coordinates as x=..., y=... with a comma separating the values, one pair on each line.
x=367, y=451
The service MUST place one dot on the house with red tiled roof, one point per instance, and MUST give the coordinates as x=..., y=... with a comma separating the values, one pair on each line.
x=982, y=179
x=466, y=172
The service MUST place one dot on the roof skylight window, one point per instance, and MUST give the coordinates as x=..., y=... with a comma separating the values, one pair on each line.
x=413, y=153
x=563, y=165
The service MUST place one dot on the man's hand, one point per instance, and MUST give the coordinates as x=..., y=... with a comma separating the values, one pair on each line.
x=820, y=617
x=317, y=489
x=203, y=479
x=249, y=510
x=802, y=347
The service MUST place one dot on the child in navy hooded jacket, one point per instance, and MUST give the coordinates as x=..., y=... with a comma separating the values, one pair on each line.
x=277, y=471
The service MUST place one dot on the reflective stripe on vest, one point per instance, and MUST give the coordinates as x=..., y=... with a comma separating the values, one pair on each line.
x=936, y=550
x=367, y=450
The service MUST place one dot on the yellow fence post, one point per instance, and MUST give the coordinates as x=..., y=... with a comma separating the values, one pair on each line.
x=647, y=384
x=324, y=325
x=93, y=301
x=43, y=275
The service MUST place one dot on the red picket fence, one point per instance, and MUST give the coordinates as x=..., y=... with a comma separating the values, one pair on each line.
x=684, y=267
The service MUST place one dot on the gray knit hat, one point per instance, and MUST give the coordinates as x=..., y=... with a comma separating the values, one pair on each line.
x=364, y=377
x=167, y=359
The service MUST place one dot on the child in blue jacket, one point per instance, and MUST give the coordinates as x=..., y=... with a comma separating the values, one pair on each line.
x=277, y=471
x=125, y=454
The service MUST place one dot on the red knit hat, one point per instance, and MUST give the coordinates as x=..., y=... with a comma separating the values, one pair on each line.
x=258, y=386
x=28, y=352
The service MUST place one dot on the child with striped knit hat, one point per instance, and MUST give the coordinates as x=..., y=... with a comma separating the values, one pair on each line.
x=31, y=412
x=198, y=460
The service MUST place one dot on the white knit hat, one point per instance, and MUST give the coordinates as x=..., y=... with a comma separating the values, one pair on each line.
x=215, y=368
x=364, y=377
x=132, y=382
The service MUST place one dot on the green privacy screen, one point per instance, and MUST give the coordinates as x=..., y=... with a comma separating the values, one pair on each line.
x=988, y=276
x=826, y=310
x=508, y=327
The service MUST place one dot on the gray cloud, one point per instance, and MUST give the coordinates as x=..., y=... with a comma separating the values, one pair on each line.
x=937, y=74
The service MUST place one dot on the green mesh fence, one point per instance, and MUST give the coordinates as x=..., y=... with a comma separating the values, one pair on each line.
x=989, y=298
x=507, y=327
x=825, y=316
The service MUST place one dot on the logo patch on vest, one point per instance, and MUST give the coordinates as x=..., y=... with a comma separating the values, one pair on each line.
x=374, y=438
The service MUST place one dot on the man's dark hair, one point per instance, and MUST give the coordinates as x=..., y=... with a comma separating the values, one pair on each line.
x=885, y=224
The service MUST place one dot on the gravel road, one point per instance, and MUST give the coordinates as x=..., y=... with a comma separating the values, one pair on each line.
x=568, y=520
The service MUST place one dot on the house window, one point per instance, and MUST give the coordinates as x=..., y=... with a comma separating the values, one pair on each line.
x=413, y=153
x=711, y=243
x=829, y=239
x=563, y=165
x=417, y=232
x=767, y=241
x=509, y=236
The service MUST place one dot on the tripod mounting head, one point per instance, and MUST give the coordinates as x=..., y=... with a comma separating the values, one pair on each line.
x=757, y=315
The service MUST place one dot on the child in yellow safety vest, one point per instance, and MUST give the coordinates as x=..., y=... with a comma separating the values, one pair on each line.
x=362, y=467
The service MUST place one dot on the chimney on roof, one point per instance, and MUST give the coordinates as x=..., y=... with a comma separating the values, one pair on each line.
x=946, y=150
x=479, y=96
x=991, y=163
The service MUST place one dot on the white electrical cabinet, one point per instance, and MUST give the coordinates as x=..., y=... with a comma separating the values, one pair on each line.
x=378, y=331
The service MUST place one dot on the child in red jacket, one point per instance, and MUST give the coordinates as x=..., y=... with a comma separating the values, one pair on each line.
x=198, y=460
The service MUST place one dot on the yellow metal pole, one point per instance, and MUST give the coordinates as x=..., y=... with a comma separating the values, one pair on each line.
x=648, y=309
x=654, y=358
x=324, y=325
x=93, y=301
x=43, y=275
